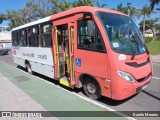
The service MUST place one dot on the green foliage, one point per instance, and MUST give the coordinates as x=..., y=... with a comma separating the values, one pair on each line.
x=83, y=3
x=145, y=11
x=133, y=10
x=157, y=26
x=2, y=17
x=157, y=38
x=153, y=3
x=154, y=47
x=100, y=5
x=34, y=10
x=121, y=8
x=148, y=39
x=149, y=24
x=37, y=9
x=61, y=5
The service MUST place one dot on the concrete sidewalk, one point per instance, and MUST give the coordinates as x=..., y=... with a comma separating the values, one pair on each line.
x=156, y=58
x=23, y=92
x=14, y=99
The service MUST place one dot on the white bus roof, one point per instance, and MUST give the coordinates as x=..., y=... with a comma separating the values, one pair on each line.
x=32, y=23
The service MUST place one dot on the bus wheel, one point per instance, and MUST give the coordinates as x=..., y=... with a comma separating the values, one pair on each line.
x=28, y=67
x=91, y=88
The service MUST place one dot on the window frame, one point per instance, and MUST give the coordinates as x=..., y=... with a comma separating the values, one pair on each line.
x=30, y=37
x=95, y=36
x=16, y=41
x=41, y=34
x=24, y=37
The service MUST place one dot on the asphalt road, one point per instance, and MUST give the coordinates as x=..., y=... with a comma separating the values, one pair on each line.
x=147, y=100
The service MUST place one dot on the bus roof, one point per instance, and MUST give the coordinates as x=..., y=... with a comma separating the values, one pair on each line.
x=32, y=23
x=75, y=10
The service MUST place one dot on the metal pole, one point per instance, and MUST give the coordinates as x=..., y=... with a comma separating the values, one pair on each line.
x=129, y=6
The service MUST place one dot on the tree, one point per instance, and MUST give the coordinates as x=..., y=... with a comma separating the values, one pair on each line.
x=133, y=10
x=153, y=3
x=2, y=17
x=145, y=12
x=61, y=5
x=121, y=8
x=100, y=5
x=34, y=10
x=83, y=3
x=157, y=26
x=149, y=24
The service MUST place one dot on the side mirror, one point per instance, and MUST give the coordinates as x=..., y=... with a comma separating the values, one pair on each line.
x=91, y=27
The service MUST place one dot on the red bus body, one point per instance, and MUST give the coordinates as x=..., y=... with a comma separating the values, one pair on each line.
x=101, y=66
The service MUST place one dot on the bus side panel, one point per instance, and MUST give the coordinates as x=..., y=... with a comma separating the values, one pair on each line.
x=19, y=61
x=40, y=59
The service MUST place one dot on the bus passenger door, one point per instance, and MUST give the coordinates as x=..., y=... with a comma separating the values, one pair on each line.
x=63, y=54
x=71, y=52
x=59, y=65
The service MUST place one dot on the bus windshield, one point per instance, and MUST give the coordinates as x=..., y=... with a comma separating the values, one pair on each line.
x=123, y=34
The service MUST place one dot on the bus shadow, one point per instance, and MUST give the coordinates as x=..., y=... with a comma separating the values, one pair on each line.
x=103, y=100
x=56, y=82
x=155, y=97
x=111, y=102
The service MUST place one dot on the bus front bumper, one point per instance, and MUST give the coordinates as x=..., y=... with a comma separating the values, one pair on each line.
x=122, y=89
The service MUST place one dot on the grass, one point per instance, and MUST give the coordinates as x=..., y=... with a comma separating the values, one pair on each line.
x=154, y=47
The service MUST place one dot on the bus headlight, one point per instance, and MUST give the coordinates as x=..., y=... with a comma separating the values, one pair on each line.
x=126, y=76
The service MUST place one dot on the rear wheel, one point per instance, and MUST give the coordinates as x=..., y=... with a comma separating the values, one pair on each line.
x=29, y=69
x=91, y=88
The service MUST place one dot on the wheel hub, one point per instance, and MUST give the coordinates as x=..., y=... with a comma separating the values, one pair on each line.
x=91, y=88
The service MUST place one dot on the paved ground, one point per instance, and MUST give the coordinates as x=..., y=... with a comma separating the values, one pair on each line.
x=147, y=100
x=156, y=58
x=13, y=98
x=24, y=92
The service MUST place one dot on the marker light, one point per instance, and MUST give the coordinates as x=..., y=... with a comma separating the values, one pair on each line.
x=126, y=76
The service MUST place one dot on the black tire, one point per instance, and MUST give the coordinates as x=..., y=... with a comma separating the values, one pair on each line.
x=29, y=69
x=2, y=52
x=95, y=92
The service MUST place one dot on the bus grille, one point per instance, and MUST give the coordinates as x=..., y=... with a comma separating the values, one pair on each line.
x=144, y=78
x=134, y=64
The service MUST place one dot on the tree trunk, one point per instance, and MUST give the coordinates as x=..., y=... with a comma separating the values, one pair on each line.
x=143, y=25
x=153, y=31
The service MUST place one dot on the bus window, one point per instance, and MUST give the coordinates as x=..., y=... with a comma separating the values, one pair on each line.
x=46, y=37
x=89, y=37
x=19, y=38
x=23, y=38
x=33, y=37
x=15, y=41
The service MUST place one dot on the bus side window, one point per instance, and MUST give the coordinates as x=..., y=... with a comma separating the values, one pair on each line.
x=23, y=38
x=19, y=38
x=33, y=37
x=15, y=41
x=89, y=37
x=46, y=36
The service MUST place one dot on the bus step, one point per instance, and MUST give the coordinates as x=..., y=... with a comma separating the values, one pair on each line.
x=64, y=81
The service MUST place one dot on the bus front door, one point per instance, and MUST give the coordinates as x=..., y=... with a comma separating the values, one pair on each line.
x=59, y=65
x=71, y=52
x=64, y=54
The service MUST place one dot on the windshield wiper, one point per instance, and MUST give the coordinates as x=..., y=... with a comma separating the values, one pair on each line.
x=133, y=53
x=136, y=38
x=134, y=48
x=142, y=44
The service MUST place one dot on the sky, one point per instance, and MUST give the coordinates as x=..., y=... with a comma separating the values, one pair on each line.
x=19, y=4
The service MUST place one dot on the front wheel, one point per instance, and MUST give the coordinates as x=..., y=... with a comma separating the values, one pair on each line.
x=91, y=88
